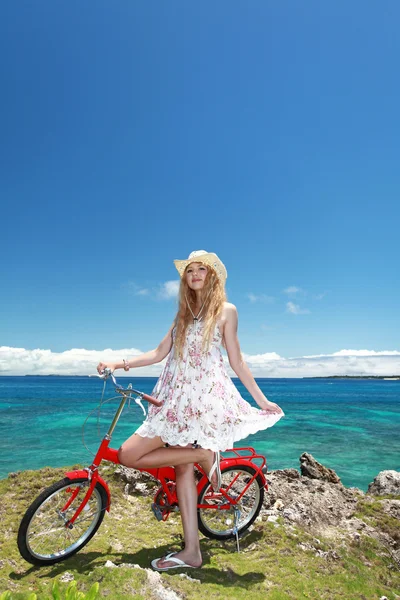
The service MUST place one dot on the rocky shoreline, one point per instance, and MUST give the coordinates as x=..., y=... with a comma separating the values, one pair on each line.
x=316, y=500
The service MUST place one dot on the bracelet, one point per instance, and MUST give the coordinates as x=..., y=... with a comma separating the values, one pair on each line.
x=126, y=365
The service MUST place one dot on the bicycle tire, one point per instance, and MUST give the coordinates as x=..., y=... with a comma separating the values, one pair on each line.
x=220, y=524
x=43, y=538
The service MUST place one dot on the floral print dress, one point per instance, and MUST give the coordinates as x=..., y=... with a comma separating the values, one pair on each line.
x=200, y=401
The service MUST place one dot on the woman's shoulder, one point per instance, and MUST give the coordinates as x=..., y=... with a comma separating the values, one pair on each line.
x=228, y=315
x=228, y=312
x=229, y=308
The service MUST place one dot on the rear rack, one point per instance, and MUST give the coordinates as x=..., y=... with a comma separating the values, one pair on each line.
x=246, y=453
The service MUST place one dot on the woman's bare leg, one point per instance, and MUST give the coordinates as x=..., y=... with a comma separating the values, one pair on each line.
x=148, y=453
x=187, y=496
x=137, y=446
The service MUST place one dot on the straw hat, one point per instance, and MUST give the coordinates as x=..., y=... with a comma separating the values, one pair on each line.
x=208, y=258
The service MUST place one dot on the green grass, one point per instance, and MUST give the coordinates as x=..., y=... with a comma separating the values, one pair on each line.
x=370, y=510
x=271, y=564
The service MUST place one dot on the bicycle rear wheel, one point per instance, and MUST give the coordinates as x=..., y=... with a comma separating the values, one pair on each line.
x=220, y=523
x=43, y=538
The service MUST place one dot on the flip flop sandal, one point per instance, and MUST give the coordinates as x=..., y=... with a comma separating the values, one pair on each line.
x=215, y=467
x=170, y=558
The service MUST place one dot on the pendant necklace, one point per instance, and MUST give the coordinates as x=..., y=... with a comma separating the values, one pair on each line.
x=196, y=319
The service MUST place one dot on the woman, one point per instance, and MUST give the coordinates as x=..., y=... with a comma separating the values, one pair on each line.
x=202, y=411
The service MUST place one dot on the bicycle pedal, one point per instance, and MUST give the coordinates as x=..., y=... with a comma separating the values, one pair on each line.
x=157, y=511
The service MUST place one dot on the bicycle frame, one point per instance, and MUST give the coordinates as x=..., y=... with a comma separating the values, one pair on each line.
x=54, y=527
x=164, y=474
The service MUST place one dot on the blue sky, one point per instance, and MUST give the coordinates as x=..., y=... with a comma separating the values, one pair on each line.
x=134, y=133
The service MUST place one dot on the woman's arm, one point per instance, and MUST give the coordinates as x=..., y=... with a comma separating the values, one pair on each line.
x=237, y=362
x=145, y=359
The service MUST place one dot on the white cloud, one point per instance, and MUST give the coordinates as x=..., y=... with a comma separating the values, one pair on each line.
x=295, y=309
x=259, y=298
x=79, y=361
x=135, y=289
x=163, y=291
x=169, y=289
x=292, y=290
x=320, y=296
x=261, y=359
x=366, y=353
x=374, y=363
x=357, y=353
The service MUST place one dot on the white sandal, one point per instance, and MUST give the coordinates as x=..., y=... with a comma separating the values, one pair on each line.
x=216, y=467
x=171, y=558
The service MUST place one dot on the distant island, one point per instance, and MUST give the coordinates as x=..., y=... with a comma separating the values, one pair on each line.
x=384, y=377
x=388, y=377
x=52, y=375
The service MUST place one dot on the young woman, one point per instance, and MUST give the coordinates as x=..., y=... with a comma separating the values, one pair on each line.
x=202, y=411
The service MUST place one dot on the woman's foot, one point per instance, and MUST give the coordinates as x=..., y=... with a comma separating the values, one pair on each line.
x=210, y=464
x=191, y=559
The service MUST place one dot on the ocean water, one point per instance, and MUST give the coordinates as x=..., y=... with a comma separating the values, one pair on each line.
x=351, y=426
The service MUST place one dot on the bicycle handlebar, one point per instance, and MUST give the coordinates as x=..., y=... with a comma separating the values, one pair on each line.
x=151, y=399
x=106, y=373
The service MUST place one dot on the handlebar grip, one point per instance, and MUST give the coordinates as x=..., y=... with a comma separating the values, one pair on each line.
x=152, y=400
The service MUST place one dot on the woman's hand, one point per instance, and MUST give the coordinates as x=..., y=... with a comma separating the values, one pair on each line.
x=270, y=407
x=101, y=366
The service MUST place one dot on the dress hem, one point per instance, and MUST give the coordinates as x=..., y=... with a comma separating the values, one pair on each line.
x=246, y=430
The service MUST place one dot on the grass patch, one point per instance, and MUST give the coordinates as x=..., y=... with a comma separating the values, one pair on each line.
x=271, y=563
x=370, y=510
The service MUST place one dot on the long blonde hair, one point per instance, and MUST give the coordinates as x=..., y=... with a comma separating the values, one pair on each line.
x=214, y=295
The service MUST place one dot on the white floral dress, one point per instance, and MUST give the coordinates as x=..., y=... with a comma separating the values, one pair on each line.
x=200, y=401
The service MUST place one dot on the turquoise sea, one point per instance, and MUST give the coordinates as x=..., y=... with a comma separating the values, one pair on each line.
x=352, y=426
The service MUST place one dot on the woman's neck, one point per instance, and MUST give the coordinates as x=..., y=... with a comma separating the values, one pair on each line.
x=199, y=299
x=199, y=306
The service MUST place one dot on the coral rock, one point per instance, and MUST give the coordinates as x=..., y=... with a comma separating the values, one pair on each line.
x=314, y=470
x=386, y=482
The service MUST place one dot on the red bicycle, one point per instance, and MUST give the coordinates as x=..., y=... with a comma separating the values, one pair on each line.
x=66, y=515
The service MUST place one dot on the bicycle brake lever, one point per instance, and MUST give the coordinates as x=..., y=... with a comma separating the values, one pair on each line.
x=105, y=374
x=138, y=401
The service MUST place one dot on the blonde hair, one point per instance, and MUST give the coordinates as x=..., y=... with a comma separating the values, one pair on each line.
x=214, y=296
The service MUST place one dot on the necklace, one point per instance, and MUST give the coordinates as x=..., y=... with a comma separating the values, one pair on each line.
x=196, y=319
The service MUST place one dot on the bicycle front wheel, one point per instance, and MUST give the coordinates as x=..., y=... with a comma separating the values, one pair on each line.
x=43, y=538
x=221, y=519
